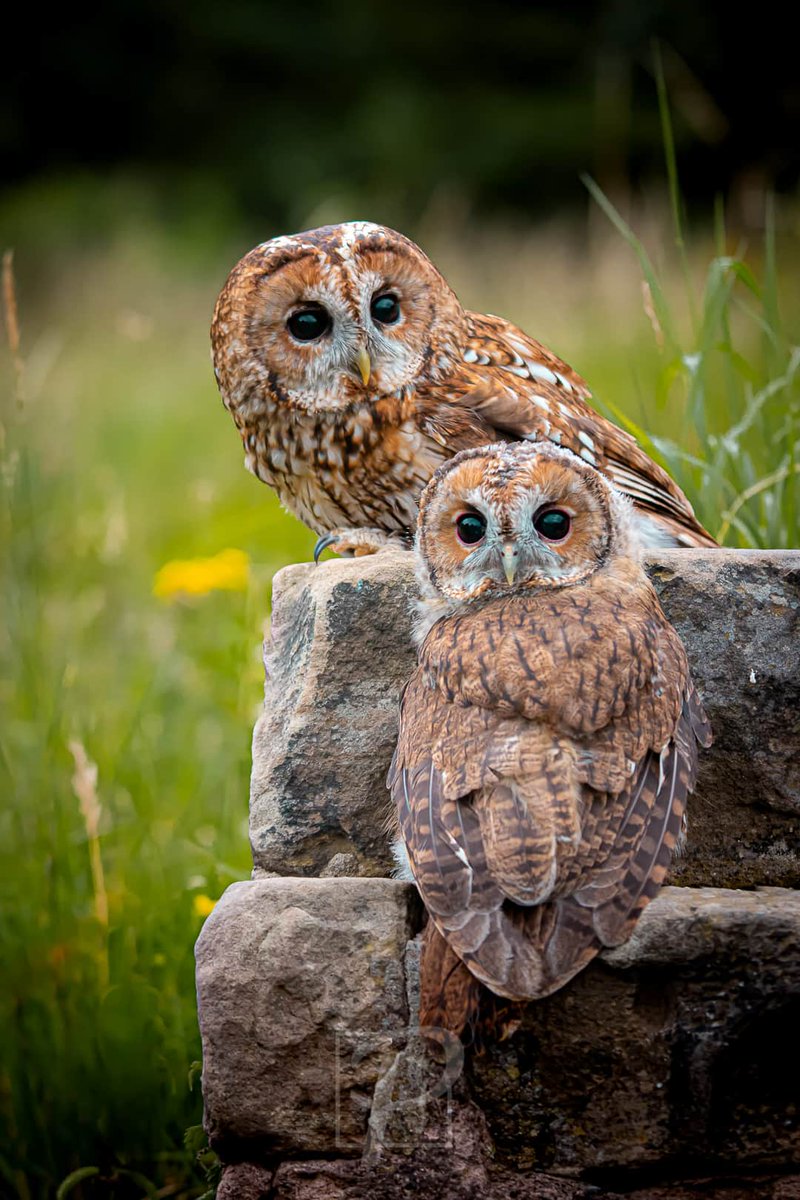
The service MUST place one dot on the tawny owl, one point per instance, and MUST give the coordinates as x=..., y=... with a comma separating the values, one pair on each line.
x=352, y=372
x=548, y=737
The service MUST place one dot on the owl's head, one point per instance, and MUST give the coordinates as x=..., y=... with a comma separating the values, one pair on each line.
x=517, y=516
x=324, y=318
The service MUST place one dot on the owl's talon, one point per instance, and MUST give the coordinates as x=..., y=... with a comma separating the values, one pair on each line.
x=356, y=543
x=322, y=545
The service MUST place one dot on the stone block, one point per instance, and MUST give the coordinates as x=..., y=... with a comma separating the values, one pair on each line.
x=738, y=612
x=302, y=1004
x=675, y=1052
x=678, y=1047
x=340, y=653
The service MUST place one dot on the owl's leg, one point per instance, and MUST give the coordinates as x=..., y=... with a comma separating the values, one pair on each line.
x=353, y=543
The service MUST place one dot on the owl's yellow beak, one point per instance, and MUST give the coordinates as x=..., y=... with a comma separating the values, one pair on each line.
x=364, y=365
x=510, y=557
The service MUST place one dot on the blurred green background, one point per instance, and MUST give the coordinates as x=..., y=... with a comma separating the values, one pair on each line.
x=144, y=148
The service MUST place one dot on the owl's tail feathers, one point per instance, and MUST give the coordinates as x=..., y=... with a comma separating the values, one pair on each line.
x=454, y=1002
x=449, y=992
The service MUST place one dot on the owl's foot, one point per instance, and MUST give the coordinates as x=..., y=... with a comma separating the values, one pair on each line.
x=354, y=543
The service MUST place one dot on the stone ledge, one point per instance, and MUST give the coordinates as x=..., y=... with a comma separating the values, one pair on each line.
x=678, y=1048
x=680, y=1045
x=302, y=1005
x=338, y=655
x=340, y=652
x=431, y=1177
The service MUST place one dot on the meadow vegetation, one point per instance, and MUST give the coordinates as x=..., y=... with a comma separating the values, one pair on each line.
x=127, y=703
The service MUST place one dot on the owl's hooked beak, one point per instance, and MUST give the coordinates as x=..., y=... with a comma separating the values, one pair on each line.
x=510, y=560
x=363, y=365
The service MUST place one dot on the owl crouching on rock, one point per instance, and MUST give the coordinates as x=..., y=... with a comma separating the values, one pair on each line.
x=353, y=372
x=548, y=737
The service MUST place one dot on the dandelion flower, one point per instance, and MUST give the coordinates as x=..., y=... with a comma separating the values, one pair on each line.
x=203, y=906
x=228, y=571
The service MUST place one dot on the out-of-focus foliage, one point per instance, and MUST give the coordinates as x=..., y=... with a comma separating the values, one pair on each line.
x=373, y=109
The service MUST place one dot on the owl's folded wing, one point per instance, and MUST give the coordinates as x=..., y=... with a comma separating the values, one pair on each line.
x=510, y=386
x=522, y=897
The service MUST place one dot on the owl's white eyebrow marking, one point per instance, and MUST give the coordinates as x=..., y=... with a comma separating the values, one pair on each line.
x=587, y=441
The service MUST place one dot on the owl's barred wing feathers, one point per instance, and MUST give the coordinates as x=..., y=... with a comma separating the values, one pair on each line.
x=536, y=842
x=509, y=385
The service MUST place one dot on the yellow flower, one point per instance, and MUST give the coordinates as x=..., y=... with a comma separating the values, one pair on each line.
x=229, y=570
x=203, y=906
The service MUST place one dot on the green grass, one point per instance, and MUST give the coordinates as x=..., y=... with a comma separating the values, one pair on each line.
x=119, y=458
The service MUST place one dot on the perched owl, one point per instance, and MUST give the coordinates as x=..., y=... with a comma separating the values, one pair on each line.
x=352, y=372
x=548, y=737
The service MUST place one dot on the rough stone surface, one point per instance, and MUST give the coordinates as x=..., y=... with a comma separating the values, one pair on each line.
x=675, y=1052
x=338, y=656
x=340, y=653
x=738, y=613
x=452, y=1163
x=302, y=1004
x=679, y=1047
x=245, y=1181
x=668, y=1070
x=434, y=1176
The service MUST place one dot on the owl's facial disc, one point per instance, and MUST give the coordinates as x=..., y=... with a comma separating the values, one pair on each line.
x=347, y=314
x=510, y=518
x=495, y=548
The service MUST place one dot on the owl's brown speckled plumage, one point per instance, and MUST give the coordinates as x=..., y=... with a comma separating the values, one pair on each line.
x=548, y=738
x=349, y=427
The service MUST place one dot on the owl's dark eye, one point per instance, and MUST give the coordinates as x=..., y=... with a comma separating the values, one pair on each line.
x=385, y=309
x=553, y=524
x=308, y=324
x=470, y=528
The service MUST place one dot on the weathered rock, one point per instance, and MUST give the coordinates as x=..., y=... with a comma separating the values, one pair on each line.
x=679, y=1047
x=302, y=1004
x=245, y=1181
x=453, y=1163
x=434, y=1176
x=340, y=653
x=738, y=613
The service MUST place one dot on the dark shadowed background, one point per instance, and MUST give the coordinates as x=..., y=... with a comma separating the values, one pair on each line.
x=278, y=109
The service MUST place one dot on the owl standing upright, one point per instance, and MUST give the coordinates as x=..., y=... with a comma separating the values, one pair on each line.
x=548, y=737
x=352, y=372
